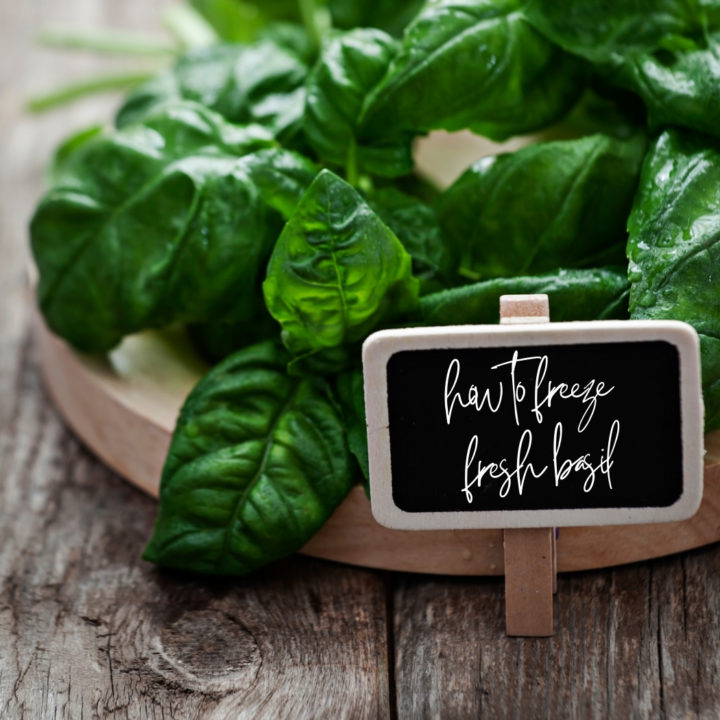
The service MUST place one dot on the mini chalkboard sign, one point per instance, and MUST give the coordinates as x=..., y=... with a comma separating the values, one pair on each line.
x=534, y=424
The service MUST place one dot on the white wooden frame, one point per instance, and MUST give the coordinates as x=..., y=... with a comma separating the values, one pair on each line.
x=379, y=348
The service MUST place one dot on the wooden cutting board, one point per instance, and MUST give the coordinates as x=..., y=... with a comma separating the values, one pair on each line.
x=124, y=407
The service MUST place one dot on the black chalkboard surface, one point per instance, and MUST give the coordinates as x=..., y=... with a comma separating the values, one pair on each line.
x=561, y=424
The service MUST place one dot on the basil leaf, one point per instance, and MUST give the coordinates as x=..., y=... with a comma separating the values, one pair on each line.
x=349, y=67
x=336, y=271
x=674, y=246
x=138, y=222
x=257, y=463
x=594, y=294
x=418, y=229
x=679, y=87
x=473, y=64
x=549, y=205
x=259, y=83
x=601, y=30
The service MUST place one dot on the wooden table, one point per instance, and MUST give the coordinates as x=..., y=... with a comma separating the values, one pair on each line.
x=87, y=629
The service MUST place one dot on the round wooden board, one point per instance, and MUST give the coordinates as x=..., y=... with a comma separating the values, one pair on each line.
x=124, y=407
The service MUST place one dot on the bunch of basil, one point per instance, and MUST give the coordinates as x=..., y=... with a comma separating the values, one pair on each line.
x=263, y=194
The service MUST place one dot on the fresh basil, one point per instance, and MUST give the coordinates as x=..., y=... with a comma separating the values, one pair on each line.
x=138, y=222
x=674, y=246
x=549, y=205
x=592, y=294
x=258, y=462
x=336, y=271
x=605, y=30
x=349, y=67
x=679, y=86
x=666, y=52
x=473, y=64
x=259, y=83
x=261, y=193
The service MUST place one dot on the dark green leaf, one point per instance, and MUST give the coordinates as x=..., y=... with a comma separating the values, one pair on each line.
x=674, y=246
x=416, y=226
x=603, y=30
x=140, y=220
x=260, y=83
x=257, y=463
x=595, y=294
x=679, y=87
x=336, y=271
x=350, y=66
x=549, y=205
x=473, y=64
x=214, y=341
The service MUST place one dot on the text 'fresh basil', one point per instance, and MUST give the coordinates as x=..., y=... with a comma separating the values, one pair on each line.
x=590, y=423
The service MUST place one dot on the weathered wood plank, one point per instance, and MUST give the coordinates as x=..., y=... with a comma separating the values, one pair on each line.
x=86, y=628
x=640, y=641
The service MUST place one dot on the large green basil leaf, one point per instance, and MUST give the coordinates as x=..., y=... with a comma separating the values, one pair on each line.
x=418, y=229
x=473, y=64
x=138, y=222
x=679, y=87
x=350, y=66
x=594, y=294
x=336, y=271
x=549, y=205
x=667, y=52
x=257, y=464
x=259, y=83
x=674, y=246
x=603, y=30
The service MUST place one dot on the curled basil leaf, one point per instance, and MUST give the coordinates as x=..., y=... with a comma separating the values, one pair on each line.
x=257, y=464
x=679, y=86
x=336, y=271
x=473, y=64
x=593, y=294
x=138, y=222
x=674, y=246
x=349, y=67
x=549, y=205
x=259, y=83
x=603, y=30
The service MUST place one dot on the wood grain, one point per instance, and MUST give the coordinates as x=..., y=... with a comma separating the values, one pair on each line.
x=635, y=642
x=88, y=629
